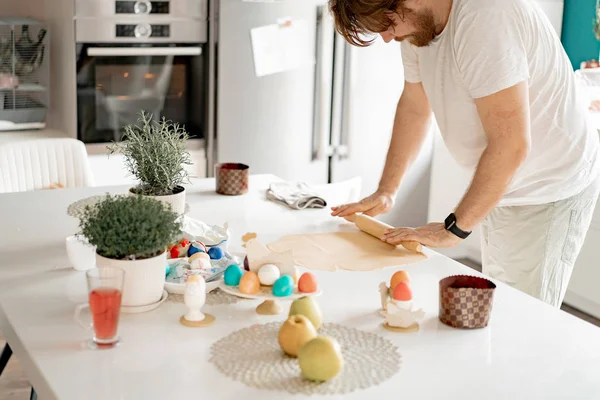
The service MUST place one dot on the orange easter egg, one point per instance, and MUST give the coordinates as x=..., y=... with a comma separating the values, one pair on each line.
x=249, y=284
x=399, y=276
x=307, y=283
x=402, y=292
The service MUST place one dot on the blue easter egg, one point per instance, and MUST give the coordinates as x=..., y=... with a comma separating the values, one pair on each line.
x=232, y=275
x=284, y=286
x=215, y=253
x=168, y=269
x=195, y=248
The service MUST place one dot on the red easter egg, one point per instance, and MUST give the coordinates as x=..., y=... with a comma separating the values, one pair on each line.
x=307, y=283
x=402, y=292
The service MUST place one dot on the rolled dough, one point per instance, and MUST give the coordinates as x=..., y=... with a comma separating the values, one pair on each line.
x=352, y=251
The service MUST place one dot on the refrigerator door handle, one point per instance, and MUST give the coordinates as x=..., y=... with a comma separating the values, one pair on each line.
x=337, y=108
x=343, y=150
x=323, y=85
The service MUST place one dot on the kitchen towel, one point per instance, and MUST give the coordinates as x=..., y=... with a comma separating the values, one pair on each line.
x=296, y=195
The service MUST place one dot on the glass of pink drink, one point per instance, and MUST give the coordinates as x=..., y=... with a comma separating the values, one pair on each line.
x=105, y=288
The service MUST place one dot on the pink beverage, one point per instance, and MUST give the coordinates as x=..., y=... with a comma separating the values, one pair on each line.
x=105, y=307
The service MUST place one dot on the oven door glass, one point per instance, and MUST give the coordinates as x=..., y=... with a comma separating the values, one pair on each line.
x=114, y=85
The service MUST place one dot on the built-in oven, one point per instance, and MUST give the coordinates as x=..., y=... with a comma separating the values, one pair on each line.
x=135, y=56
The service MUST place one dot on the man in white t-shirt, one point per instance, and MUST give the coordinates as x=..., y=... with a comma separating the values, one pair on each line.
x=504, y=95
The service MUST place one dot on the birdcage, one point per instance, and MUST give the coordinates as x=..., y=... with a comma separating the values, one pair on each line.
x=24, y=73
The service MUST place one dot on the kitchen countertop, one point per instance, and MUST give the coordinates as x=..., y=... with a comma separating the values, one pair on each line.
x=530, y=350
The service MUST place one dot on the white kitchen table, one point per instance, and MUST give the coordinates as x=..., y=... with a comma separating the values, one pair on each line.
x=529, y=350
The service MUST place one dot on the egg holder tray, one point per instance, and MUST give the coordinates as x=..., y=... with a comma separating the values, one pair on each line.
x=271, y=304
x=466, y=301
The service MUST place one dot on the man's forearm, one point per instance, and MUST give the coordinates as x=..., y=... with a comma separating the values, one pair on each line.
x=497, y=166
x=409, y=132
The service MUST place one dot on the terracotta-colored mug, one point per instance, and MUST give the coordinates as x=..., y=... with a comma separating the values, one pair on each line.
x=232, y=178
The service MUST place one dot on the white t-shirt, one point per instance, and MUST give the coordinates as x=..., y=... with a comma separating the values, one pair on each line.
x=488, y=46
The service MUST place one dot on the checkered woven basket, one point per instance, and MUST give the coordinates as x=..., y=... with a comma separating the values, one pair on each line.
x=232, y=178
x=466, y=301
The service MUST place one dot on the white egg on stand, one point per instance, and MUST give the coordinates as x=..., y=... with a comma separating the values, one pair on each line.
x=268, y=274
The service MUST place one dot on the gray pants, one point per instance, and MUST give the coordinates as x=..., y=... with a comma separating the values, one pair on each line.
x=534, y=248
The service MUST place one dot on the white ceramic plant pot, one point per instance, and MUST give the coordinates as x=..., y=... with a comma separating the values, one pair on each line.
x=144, y=279
x=177, y=200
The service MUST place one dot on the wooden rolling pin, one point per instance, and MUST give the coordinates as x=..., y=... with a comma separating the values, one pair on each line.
x=377, y=228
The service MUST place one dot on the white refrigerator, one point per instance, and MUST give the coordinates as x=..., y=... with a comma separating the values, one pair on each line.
x=323, y=122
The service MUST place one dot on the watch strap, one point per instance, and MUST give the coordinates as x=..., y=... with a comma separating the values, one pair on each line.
x=450, y=224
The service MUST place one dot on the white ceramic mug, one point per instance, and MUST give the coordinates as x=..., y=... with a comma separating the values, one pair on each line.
x=82, y=255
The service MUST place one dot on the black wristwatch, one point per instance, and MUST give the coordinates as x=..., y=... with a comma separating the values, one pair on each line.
x=450, y=224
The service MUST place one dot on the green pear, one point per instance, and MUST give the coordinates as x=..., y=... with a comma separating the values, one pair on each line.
x=295, y=333
x=320, y=359
x=308, y=307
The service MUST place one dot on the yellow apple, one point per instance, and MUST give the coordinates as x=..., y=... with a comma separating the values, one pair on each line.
x=321, y=359
x=308, y=307
x=295, y=333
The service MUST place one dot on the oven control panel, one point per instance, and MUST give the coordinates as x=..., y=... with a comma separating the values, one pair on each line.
x=141, y=7
x=143, y=31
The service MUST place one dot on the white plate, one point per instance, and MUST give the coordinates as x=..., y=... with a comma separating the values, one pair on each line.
x=147, y=307
x=265, y=293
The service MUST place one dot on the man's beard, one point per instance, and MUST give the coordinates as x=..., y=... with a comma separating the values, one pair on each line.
x=424, y=24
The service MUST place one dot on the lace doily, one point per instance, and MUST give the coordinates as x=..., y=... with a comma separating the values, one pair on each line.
x=252, y=356
x=214, y=298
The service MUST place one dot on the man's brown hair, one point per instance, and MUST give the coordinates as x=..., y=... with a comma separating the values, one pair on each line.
x=354, y=18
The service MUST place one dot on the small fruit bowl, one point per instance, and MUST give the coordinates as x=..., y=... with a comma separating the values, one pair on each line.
x=271, y=304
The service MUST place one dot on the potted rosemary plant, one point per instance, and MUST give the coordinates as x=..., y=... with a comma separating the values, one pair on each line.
x=133, y=233
x=156, y=154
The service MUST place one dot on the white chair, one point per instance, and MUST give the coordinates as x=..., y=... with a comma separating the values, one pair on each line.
x=43, y=163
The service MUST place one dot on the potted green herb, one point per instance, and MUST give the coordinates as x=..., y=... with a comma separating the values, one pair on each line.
x=133, y=233
x=156, y=154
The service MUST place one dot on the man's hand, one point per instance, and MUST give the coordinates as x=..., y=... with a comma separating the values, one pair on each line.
x=432, y=235
x=375, y=204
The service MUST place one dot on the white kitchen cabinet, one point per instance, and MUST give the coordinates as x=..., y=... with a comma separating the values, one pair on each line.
x=449, y=182
x=583, y=292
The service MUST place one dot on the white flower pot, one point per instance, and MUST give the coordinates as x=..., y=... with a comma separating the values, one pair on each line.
x=177, y=200
x=144, y=279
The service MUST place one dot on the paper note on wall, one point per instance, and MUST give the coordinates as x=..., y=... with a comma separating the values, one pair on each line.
x=282, y=47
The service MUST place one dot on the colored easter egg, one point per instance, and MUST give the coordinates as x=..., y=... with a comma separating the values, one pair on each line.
x=195, y=248
x=307, y=283
x=215, y=253
x=283, y=286
x=249, y=284
x=402, y=292
x=199, y=262
x=399, y=276
x=246, y=264
x=232, y=275
x=197, y=256
x=168, y=269
x=268, y=274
